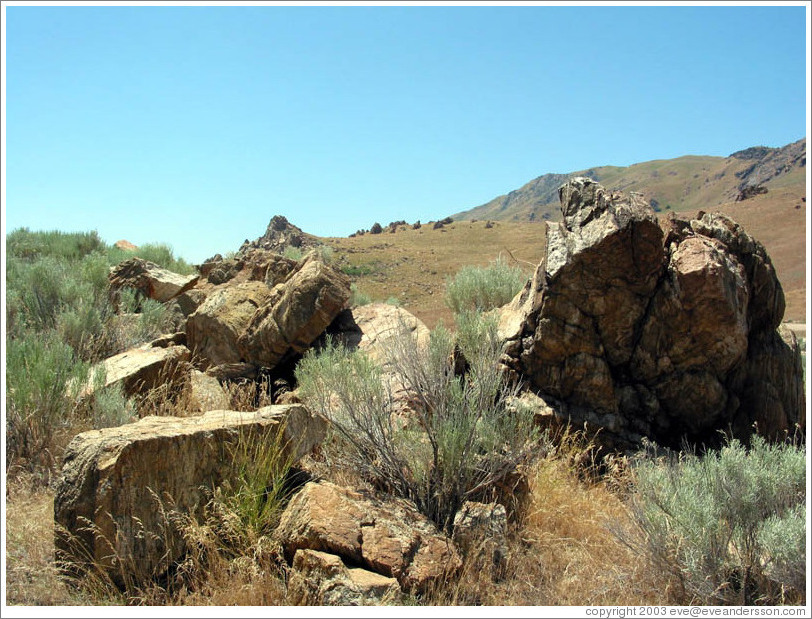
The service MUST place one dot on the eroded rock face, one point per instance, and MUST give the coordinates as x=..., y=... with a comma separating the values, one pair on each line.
x=649, y=332
x=388, y=537
x=322, y=579
x=213, y=330
x=149, y=279
x=295, y=314
x=119, y=484
x=143, y=368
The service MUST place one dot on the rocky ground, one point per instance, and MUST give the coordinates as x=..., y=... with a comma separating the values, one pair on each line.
x=633, y=327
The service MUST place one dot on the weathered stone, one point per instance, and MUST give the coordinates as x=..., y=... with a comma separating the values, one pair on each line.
x=120, y=486
x=214, y=328
x=374, y=330
x=295, y=314
x=387, y=536
x=644, y=332
x=142, y=368
x=322, y=579
x=250, y=265
x=206, y=393
x=280, y=235
x=232, y=371
x=149, y=279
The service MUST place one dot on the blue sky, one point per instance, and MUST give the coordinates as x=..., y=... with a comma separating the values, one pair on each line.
x=194, y=125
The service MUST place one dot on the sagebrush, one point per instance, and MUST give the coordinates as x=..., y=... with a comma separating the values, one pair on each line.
x=459, y=439
x=728, y=526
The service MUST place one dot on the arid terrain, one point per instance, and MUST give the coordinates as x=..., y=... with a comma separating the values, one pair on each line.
x=412, y=265
x=186, y=351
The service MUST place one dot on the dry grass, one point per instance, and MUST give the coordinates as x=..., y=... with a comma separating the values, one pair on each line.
x=563, y=549
x=412, y=265
x=31, y=575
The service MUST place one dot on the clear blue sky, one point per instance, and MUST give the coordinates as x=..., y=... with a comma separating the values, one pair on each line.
x=194, y=125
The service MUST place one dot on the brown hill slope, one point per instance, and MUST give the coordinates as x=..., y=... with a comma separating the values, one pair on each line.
x=411, y=266
x=690, y=182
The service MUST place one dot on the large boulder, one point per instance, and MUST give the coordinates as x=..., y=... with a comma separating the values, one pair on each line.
x=641, y=331
x=213, y=330
x=295, y=314
x=142, y=368
x=389, y=537
x=120, y=487
x=374, y=330
x=149, y=279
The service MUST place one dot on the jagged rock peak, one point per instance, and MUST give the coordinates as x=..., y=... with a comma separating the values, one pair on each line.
x=279, y=235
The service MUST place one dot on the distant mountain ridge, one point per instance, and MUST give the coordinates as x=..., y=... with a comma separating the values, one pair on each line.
x=688, y=182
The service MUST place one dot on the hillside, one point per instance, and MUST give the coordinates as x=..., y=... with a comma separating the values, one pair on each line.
x=689, y=182
x=411, y=266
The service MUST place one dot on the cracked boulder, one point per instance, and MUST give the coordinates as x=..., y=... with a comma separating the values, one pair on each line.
x=123, y=490
x=295, y=314
x=388, y=537
x=213, y=329
x=322, y=579
x=149, y=279
x=647, y=331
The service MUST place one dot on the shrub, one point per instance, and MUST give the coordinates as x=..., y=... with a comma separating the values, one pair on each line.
x=325, y=253
x=358, y=298
x=22, y=243
x=463, y=441
x=42, y=377
x=729, y=526
x=292, y=253
x=376, y=228
x=483, y=288
x=354, y=270
x=162, y=255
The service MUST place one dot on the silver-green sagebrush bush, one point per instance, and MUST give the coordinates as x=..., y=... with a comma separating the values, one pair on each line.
x=729, y=525
x=459, y=441
x=40, y=368
x=60, y=321
x=483, y=288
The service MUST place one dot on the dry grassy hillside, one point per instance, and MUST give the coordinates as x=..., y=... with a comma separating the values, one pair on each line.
x=412, y=265
x=689, y=182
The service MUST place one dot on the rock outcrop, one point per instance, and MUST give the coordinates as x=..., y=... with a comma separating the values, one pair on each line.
x=645, y=332
x=322, y=579
x=273, y=316
x=213, y=330
x=148, y=279
x=295, y=314
x=389, y=537
x=143, y=368
x=120, y=487
x=280, y=235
